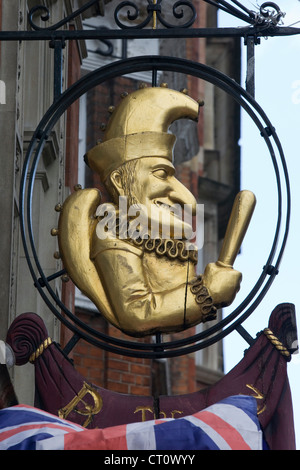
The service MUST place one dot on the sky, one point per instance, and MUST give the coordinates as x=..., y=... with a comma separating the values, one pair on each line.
x=277, y=91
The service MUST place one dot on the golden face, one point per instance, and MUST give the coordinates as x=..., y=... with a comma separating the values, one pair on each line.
x=160, y=197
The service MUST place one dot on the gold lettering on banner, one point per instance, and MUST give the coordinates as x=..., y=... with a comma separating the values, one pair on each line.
x=175, y=412
x=143, y=409
x=162, y=414
x=89, y=410
x=259, y=396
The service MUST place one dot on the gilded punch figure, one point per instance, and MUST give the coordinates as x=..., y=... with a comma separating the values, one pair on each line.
x=142, y=283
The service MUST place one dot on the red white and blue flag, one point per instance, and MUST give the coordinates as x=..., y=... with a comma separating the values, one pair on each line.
x=231, y=424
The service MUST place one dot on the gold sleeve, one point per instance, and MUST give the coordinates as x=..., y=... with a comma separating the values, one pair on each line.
x=141, y=309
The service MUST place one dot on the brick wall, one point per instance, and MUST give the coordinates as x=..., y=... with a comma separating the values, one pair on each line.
x=114, y=372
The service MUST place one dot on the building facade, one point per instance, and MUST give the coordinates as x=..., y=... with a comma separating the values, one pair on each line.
x=207, y=161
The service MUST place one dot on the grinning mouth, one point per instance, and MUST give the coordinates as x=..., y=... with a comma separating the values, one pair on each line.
x=174, y=210
x=161, y=204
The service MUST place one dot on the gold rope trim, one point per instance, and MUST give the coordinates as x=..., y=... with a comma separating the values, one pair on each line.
x=275, y=341
x=167, y=247
x=203, y=298
x=40, y=349
x=172, y=248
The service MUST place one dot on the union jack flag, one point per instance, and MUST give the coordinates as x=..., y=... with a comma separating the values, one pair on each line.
x=231, y=424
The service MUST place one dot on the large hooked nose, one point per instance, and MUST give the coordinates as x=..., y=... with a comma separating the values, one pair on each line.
x=181, y=195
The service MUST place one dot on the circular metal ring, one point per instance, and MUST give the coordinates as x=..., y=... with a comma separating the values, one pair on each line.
x=268, y=133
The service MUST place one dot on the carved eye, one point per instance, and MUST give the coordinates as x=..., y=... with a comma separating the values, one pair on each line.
x=161, y=173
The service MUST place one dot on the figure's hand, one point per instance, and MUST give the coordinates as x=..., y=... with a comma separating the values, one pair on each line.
x=222, y=282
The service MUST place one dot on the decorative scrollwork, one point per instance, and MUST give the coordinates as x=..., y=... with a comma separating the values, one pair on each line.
x=42, y=9
x=132, y=16
x=270, y=13
x=154, y=10
x=45, y=16
x=180, y=14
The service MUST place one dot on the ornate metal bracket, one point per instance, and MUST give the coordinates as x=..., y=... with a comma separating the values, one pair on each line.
x=269, y=14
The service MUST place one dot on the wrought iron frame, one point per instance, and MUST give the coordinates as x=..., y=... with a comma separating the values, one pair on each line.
x=264, y=22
